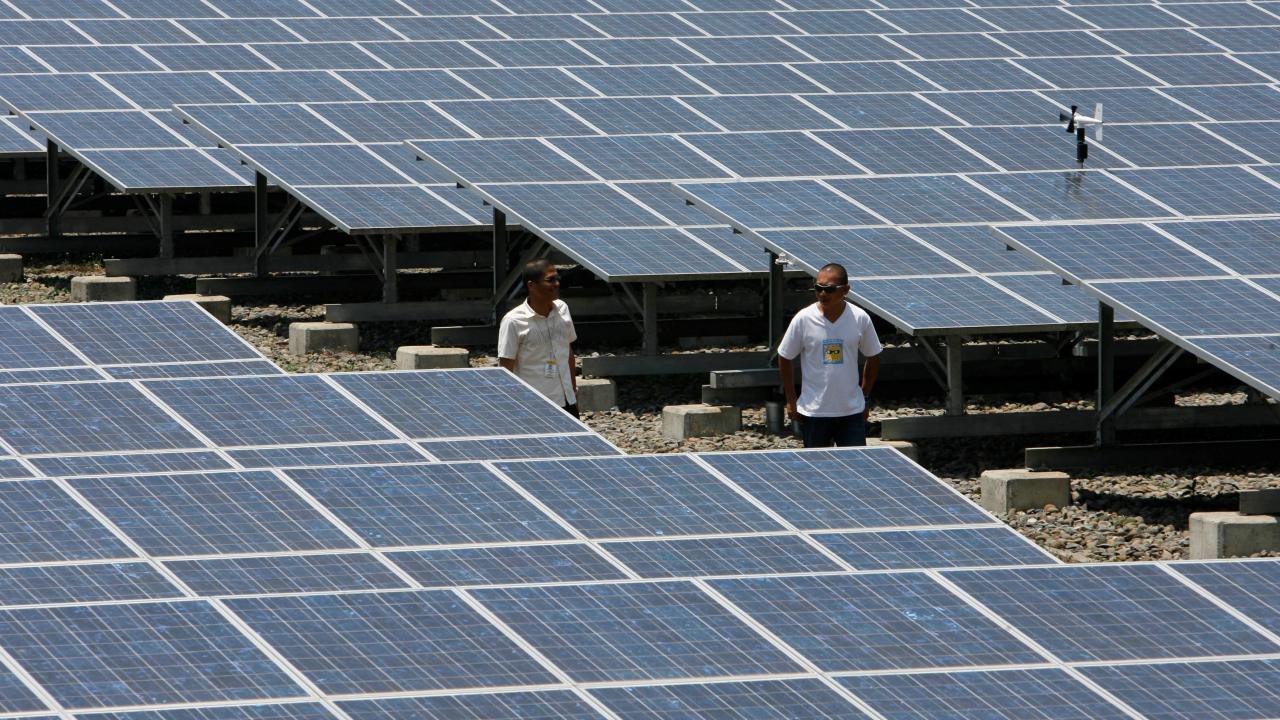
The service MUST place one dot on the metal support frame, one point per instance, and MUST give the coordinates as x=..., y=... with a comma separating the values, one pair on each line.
x=506, y=287
x=59, y=193
x=269, y=236
x=501, y=256
x=390, y=270
x=955, y=375
x=932, y=361
x=650, y=341
x=1135, y=388
x=776, y=307
x=1106, y=423
x=158, y=210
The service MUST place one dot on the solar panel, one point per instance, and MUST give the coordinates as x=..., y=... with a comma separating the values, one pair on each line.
x=523, y=564
x=634, y=631
x=273, y=711
x=1073, y=195
x=1041, y=694
x=489, y=706
x=129, y=464
x=141, y=654
x=927, y=199
x=39, y=522
x=399, y=505
x=875, y=622
x=86, y=417
x=911, y=549
x=1247, y=587
x=519, y=448
x=207, y=513
x=1115, y=612
x=1113, y=251
x=1181, y=691
x=320, y=455
x=748, y=555
x=800, y=699
x=50, y=584
x=144, y=333
x=285, y=574
x=427, y=640
x=179, y=370
x=27, y=345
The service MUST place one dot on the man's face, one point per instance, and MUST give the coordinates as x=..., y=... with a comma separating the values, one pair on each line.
x=830, y=289
x=548, y=288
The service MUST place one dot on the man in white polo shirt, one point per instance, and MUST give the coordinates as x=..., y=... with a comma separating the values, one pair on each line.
x=827, y=336
x=535, y=339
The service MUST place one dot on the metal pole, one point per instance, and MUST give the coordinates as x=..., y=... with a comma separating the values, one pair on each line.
x=53, y=183
x=650, y=319
x=501, y=248
x=261, y=228
x=776, y=310
x=165, y=206
x=390, y=290
x=1106, y=434
x=955, y=375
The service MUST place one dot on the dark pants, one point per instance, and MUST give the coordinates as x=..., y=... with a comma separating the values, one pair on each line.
x=846, y=431
x=572, y=409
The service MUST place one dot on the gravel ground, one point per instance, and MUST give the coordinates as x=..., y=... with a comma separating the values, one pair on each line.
x=1113, y=517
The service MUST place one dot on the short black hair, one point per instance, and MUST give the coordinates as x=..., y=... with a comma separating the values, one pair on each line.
x=535, y=270
x=836, y=267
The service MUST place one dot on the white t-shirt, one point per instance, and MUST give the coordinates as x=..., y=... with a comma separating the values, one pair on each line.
x=540, y=347
x=829, y=359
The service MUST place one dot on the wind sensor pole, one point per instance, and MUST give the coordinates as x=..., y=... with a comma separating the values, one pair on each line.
x=1076, y=123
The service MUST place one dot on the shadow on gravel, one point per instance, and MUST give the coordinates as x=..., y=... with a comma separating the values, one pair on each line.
x=1166, y=510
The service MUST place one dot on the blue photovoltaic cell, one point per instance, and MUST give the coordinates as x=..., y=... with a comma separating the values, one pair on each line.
x=529, y=53
x=86, y=417
x=1043, y=694
x=1196, y=307
x=1111, y=612
x=1111, y=252
x=73, y=465
x=377, y=208
x=1170, y=144
x=759, y=112
x=874, y=622
x=483, y=161
x=197, y=514
x=666, y=200
x=161, y=90
x=978, y=248
x=1072, y=195
x=1207, y=191
x=549, y=705
x=927, y=199
x=13, y=469
x=548, y=446
x=398, y=505
x=335, y=164
x=1191, y=691
x=642, y=252
x=515, y=118
x=319, y=455
x=780, y=204
x=285, y=574
x=639, y=158
x=1121, y=105
x=118, y=129
x=910, y=549
x=41, y=523
x=639, y=80
x=526, y=83
x=857, y=77
x=831, y=489
x=749, y=79
x=180, y=370
x=409, y=85
x=1030, y=148
x=877, y=111
x=424, y=641
x=317, y=56
x=47, y=584
x=15, y=140
x=148, y=332
x=164, y=169
x=953, y=46
x=772, y=155
x=290, y=86
x=1260, y=138
x=62, y=375
x=634, y=631
x=548, y=206
x=140, y=654
x=905, y=151
x=1250, y=587
x=1032, y=18
x=620, y=116
x=745, y=49
x=95, y=58
x=239, y=30
x=520, y=564
x=758, y=555
x=802, y=699
x=865, y=252
x=59, y=92
x=273, y=711
x=400, y=54
x=1046, y=291
x=638, y=496
x=994, y=107
x=207, y=57
x=952, y=303
x=1257, y=357
x=388, y=121
x=271, y=410
x=638, y=51
x=252, y=124
x=462, y=403
x=1230, y=102
x=978, y=74
x=24, y=344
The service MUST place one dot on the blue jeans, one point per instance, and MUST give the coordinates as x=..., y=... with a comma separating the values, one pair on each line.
x=846, y=431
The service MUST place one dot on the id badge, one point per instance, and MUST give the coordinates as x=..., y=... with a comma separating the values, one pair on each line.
x=551, y=369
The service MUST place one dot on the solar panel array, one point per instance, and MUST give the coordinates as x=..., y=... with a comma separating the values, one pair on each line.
x=1211, y=287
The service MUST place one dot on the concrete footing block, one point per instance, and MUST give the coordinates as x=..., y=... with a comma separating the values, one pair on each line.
x=97, y=288
x=596, y=394
x=309, y=337
x=902, y=446
x=430, y=357
x=686, y=421
x=1005, y=490
x=10, y=268
x=218, y=306
x=1230, y=534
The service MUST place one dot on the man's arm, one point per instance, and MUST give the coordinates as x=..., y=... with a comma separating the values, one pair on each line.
x=786, y=370
x=508, y=363
x=870, y=370
x=573, y=369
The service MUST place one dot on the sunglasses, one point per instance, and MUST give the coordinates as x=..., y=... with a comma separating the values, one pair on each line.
x=826, y=288
x=552, y=279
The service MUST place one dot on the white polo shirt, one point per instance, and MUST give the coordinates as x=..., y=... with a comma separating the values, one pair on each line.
x=540, y=346
x=828, y=353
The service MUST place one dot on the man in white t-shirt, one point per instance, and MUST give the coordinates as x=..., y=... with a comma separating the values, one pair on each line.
x=535, y=339
x=827, y=336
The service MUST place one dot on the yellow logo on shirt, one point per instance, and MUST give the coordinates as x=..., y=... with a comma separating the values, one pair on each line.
x=833, y=352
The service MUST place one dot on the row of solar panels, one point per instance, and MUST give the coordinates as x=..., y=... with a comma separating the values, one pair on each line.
x=1167, y=642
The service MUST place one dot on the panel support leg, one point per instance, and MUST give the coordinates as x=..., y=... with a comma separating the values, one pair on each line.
x=776, y=309
x=53, y=187
x=261, y=223
x=390, y=288
x=501, y=248
x=650, y=319
x=1106, y=430
x=164, y=208
x=955, y=375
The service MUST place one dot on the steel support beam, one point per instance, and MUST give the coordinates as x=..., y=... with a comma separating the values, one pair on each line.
x=1106, y=427
x=933, y=363
x=164, y=217
x=955, y=375
x=1136, y=386
x=650, y=343
x=777, y=308
x=501, y=250
x=261, y=228
x=390, y=287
